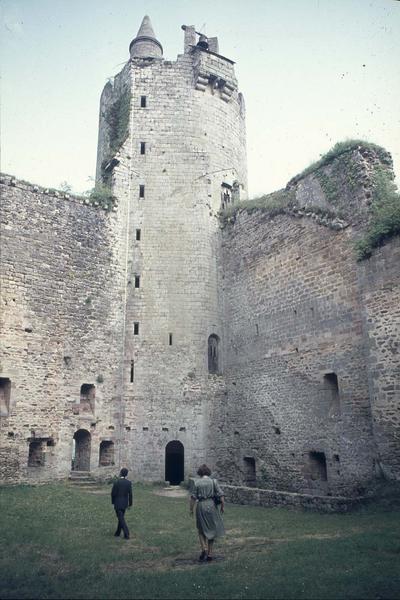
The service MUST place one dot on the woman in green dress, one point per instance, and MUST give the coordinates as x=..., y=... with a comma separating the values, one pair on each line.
x=208, y=517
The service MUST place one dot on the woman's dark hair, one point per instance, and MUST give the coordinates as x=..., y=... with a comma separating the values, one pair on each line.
x=124, y=472
x=203, y=470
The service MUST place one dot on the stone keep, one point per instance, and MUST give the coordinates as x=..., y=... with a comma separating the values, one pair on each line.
x=183, y=152
x=153, y=333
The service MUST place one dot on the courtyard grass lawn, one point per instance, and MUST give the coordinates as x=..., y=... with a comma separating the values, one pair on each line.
x=57, y=542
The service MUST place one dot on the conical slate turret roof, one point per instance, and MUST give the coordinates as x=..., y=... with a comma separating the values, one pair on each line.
x=145, y=43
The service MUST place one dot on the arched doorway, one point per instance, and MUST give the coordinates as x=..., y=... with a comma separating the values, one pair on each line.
x=174, y=462
x=81, y=459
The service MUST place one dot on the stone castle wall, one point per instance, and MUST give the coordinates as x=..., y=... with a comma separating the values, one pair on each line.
x=61, y=322
x=380, y=288
x=295, y=326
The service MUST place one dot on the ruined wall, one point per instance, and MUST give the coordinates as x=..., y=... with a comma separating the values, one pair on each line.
x=380, y=286
x=297, y=415
x=61, y=327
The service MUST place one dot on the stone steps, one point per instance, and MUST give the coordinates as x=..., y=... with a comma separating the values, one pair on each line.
x=81, y=478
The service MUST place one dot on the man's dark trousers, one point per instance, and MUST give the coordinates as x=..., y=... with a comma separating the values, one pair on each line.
x=121, y=498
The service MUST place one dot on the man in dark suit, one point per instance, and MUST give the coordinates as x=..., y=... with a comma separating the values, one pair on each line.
x=121, y=498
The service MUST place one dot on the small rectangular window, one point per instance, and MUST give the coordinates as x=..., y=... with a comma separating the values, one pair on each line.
x=136, y=329
x=138, y=235
x=143, y=101
x=141, y=191
x=142, y=147
x=170, y=339
x=132, y=371
x=137, y=281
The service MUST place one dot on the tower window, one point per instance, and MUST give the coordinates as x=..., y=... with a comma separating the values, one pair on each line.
x=141, y=191
x=5, y=393
x=143, y=101
x=136, y=328
x=138, y=232
x=132, y=371
x=170, y=339
x=137, y=281
x=142, y=147
x=213, y=354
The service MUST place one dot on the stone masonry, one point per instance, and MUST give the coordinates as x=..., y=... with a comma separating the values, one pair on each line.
x=153, y=335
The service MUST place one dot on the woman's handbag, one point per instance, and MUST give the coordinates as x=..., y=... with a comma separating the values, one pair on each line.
x=217, y=499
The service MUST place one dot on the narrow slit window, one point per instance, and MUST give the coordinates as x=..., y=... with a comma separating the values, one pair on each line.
x=136, y=328
x=170, y=339
x=132, y=371
x=137, y=281
x=142, y=147
x=143, y=101
x=138, y=233
x=141, y=191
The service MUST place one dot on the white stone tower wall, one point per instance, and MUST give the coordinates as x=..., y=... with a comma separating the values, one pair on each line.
x=195, y=140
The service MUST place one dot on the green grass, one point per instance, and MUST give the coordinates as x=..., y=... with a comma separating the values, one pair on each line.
x=57, y=542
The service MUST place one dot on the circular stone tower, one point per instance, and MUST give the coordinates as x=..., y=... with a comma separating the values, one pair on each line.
x=172, y=147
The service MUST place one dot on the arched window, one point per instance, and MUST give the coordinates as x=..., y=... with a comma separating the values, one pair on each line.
x=213, y=354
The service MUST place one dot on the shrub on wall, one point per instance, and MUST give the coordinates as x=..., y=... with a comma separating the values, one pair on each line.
x=385, y=220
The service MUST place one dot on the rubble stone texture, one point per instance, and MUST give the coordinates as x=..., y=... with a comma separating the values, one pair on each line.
x=258, y=345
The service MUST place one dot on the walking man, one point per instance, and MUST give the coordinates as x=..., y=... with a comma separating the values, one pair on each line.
x=121, y=498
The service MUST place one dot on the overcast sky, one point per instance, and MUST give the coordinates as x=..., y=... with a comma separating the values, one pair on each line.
x=313, y=72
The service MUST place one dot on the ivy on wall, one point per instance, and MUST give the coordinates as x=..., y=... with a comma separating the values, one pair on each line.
x=117, y=118
x=385, y=209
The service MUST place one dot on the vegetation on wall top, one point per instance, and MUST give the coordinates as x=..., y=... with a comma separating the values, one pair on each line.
x=385, y=219
x=274, y=204
x=342, y=148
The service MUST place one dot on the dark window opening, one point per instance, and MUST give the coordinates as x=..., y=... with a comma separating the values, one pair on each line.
x=145, y=428
x=249, y=471
x=137, y=281
x=5, y=395
x=317, y=464
x=87, y=398
x=182, y=428
x=165, y=429
x=36, y=456
x=213, y=354
x=143, y=101
x=170, y=339
x=138, y=232
x=277, y=430
x=141, y=191
x=331, y=387
x=132, y=371
x=106, y=454
x=142, y=147
x=136, y=329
